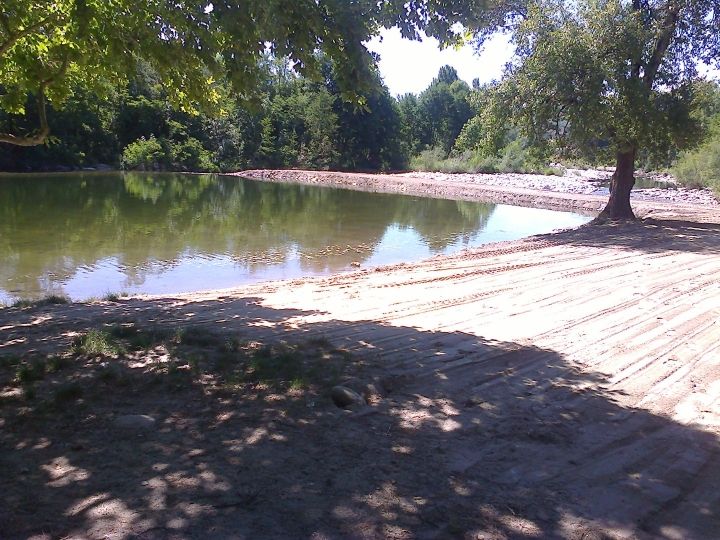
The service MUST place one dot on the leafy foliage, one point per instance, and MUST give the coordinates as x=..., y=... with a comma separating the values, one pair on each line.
x=701, y=167
x=594, y=76
x=515, y=157
x=610, y=77
x=48, y=48
x=436, y=116
x=300, y=123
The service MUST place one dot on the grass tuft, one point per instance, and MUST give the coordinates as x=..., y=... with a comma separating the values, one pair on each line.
x=115, y=296
x=29, y=371
x=9, y=360
x=54, y=364
x=197, y=336
x=139, y=339
x=53, y=299
x=68, y=392
x=97, y=342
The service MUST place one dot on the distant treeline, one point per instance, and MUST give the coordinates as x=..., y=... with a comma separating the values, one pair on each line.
x=307, y=124
x=298, y=123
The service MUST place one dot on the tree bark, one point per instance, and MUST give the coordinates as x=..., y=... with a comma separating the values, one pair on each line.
x=623, y=179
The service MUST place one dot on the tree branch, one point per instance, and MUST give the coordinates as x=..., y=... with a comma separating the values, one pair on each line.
x=664, y=39
x=44, y=130
x=14, y=37
x=40, y=135
x=5, y=22
x=59, y=73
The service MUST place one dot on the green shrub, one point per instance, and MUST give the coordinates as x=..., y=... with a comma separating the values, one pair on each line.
x=189, y=155
x=515, y=158
x=700, y=167
x=144, y=154
x=163, y=154
x=428, y=160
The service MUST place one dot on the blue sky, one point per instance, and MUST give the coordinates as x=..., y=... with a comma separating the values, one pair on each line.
x=409, y=66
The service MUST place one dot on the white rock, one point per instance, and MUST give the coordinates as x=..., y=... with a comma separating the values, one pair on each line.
x=135, y=421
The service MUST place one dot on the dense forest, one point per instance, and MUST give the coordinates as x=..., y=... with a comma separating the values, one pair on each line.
x=297, y=122
x=304, y=123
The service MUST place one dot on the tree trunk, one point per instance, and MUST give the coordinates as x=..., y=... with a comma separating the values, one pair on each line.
x=623, y=180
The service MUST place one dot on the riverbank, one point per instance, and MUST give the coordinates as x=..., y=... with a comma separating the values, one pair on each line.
x=577, y=190
x=564, y=385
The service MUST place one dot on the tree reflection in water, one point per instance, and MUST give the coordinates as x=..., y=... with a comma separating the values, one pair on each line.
x=123, y=229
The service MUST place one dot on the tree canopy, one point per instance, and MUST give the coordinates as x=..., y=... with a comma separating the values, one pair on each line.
x=50, y=47
x=612, y=73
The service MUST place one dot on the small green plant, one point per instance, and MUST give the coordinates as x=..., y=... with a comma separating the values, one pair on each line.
x=194, y=364
x=56, y=299
x=277, y=364
x=172, y=368
x=113, y=297
x=29, y=371
x=52, y=299
x=123, y=331
x=138, y=339
x=9, y=360
x=71, y=391
x=196, y=336
x=233, y=345
x=54, y=364
x=29, y=392
x=97, y=342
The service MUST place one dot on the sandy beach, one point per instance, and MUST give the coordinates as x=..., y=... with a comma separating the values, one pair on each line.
x=562, y=386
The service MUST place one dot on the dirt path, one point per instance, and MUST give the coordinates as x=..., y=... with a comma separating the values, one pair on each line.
x=563, y=386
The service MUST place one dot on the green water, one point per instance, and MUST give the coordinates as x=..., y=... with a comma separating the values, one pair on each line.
x=88, y=234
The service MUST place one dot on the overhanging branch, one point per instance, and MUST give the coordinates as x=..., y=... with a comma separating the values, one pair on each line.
x=40, y=135
x=44, y=130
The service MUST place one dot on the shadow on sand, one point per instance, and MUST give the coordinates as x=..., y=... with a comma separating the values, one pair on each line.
x=649, y=235
x=472, y=439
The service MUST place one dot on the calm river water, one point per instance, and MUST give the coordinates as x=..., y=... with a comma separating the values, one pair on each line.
x=88, y=234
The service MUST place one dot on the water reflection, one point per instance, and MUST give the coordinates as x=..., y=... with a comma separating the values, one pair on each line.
x=89, y=234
